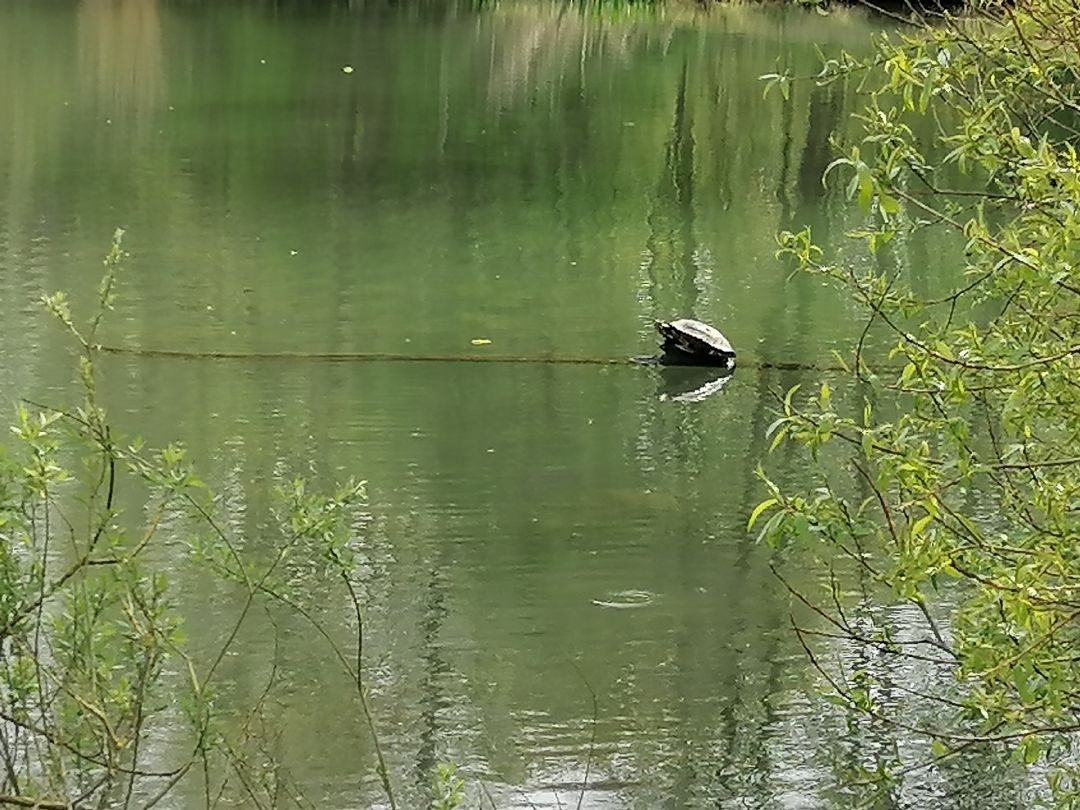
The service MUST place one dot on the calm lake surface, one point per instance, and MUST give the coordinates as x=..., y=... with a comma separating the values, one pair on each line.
x=545, y=177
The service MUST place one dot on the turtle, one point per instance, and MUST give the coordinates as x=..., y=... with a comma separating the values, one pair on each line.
x=690, y=341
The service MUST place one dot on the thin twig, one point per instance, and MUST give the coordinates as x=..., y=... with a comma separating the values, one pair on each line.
x=592, y=735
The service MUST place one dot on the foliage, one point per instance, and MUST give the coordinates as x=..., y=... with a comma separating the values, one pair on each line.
x=966, y=502
x=449, y=788
x=92, y=650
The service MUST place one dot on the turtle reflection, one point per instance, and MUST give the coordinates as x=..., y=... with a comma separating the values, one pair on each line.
x=682, y=383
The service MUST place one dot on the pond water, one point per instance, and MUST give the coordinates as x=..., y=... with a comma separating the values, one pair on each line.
x=406, y=179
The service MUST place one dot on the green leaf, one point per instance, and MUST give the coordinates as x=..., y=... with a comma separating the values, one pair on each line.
x=919, y=526
x=889, y=205
x=866, y=188
x=779, y=437
x=831, y=166
x=789, y=396
x=759, y=510
x=1031, y=750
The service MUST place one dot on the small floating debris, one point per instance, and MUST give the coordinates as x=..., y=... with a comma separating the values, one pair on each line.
x=480, y=341
x=623, y=600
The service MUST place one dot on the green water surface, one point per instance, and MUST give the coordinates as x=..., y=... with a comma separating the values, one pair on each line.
x=547, y=177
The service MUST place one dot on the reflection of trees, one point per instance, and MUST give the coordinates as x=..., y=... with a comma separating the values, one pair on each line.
x=121, y=64
x=434, y=668
x=827, y=111
x=670, y=247
x=530, y=45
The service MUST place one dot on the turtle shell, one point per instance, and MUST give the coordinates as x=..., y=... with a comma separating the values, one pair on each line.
x=695, y=338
